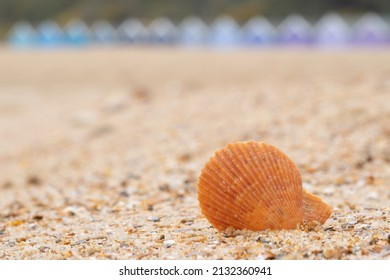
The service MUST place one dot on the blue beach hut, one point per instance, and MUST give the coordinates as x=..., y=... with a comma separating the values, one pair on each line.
x=258, y=31
x=77, y=33
x=22, y=34
x=225, y=32
x=193, y=32
x=49, y=34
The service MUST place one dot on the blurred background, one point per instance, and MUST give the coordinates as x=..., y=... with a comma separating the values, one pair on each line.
x=218, y=23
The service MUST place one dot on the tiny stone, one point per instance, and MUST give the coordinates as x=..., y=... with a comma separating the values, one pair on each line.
x=33, y=180
x=7, y=185
x=370, y=180
x=260, y=257
x=82, y=241
x=374, y=240
x=154, y=219
x=239, y=238
x=164, y=188
x=32, y=226
x=71, y=210
x=328, y=191
x=373, y=196
x=361, y=183
x=269, y=255
x=329, y=228
x=169, y=243
x=361, y=227
x=43, y=249
x=329, y=254
x=124, y=193
x=186, y=221
x=38, y=217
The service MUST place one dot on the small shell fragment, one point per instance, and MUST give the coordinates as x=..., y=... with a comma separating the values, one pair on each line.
x=255, y=186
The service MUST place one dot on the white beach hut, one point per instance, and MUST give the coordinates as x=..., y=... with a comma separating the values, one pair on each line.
x=258, y=30
x=193, y=31
x=103, y=32
x=332, y=30
x=162, y=31
x=295, y=29
x=371, y=29
x=132, y=31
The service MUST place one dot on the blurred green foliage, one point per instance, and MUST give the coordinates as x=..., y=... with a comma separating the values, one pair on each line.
x=116, y=11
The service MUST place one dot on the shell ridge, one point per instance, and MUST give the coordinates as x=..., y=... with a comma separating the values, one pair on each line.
x=251, y=171
x=216, y=171
x=214, y=192
x=239, y=176
x=316, y=209
x=216, y=202
x=213, y=203
x=259, y=161
x=274, y=179
x=248, y=173
x=216, y=163
x=290, y=188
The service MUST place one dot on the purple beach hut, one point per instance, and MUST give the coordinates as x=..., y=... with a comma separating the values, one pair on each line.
x=332, y=30
x=371, y=29
x=295, y=30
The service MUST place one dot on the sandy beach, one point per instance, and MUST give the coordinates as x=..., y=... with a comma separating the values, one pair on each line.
x=101, y=149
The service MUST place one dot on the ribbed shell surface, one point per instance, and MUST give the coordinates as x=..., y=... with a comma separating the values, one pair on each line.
x=315, y=209
x=251, y=185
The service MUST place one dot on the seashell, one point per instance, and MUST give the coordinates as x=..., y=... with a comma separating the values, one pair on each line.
x=255, y=186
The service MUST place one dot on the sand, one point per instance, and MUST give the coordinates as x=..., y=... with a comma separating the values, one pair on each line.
x=101, y=149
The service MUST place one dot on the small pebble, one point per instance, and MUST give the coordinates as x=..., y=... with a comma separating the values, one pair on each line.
x=373, y=196
x=153, y=219
x=169, y=243
x=124, y=194
x=361, y=227
x=260, y=257
x=71, y=210
x=32, y=226
x=329, y=254
x=33, y=180
x=328, y=191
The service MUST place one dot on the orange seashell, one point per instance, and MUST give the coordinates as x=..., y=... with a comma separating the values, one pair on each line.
x=255, y=186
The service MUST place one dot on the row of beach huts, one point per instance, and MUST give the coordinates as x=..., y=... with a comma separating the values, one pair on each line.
x=330, y=30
